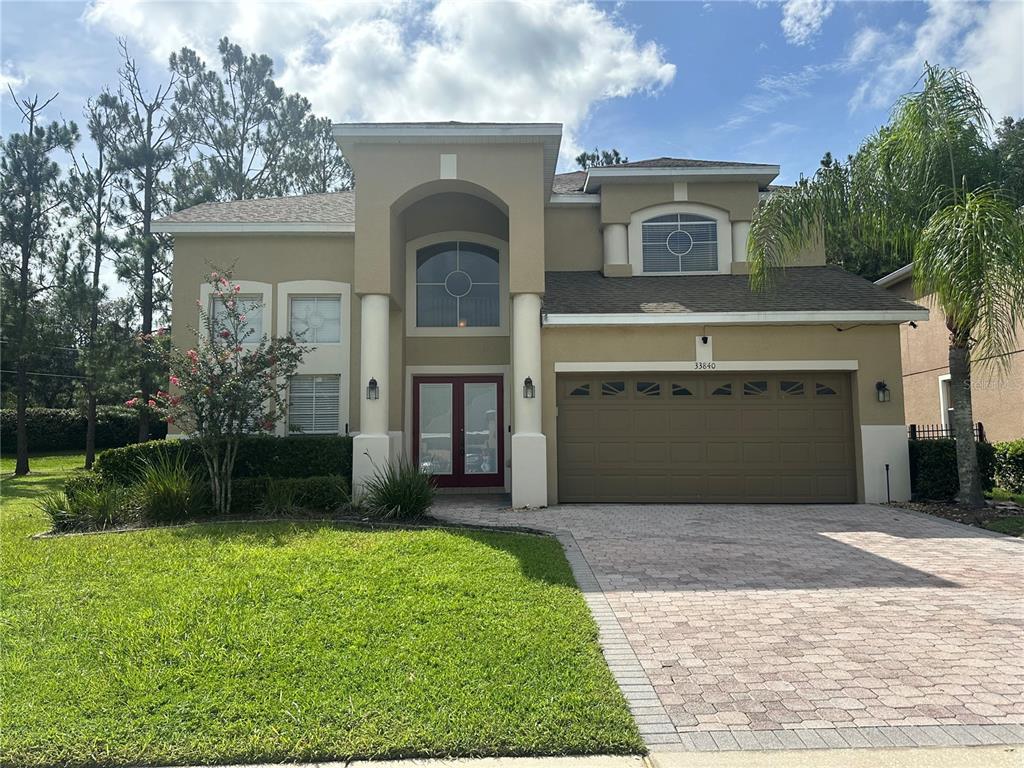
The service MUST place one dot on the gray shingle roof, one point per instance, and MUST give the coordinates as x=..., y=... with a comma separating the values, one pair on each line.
x=799, y=289
x=686, y=162
x=567, y=183
x=328, y=208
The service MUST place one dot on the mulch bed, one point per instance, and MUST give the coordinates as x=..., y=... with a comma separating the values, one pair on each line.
x=950, y=510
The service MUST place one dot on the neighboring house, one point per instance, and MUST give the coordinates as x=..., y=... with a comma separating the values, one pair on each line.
x=997, y=396
x=574, y=337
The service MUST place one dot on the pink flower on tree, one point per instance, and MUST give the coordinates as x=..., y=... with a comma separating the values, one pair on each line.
x=132, y=403
x=175, y=381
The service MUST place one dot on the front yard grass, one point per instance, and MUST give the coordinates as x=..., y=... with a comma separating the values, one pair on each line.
x=280, y=642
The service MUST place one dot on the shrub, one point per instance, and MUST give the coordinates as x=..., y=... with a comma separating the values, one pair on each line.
x=280, y=497
x=61, y=429
x=80, y=483
x=933, y=472
x=1009, y=458
x=279, y=500
x=169, y=491
x=258, y=456
x=89, y=508
x=399, y=491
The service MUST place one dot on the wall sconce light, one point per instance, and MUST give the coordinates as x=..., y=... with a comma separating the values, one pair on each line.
x=703, y=339
x=372, y=390
x=529, y=391
x=883, y=391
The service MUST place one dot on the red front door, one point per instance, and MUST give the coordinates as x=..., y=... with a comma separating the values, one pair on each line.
x=458, y=430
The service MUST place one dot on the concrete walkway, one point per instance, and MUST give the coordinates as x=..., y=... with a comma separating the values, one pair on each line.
x=955, y=757
x=734, y=628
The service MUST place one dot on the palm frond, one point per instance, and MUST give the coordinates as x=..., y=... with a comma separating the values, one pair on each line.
x=971, y=256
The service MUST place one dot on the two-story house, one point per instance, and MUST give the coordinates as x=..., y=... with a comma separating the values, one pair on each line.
x=575, y=337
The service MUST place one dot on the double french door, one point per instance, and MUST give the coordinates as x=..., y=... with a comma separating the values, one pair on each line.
x=458, y=430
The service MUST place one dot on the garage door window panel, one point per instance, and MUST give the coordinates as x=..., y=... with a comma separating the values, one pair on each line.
x=613, y=388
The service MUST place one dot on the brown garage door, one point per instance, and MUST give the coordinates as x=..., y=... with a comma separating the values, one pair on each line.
x=745, y=437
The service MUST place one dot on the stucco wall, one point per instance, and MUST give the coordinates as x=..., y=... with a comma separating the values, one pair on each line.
x=997, y=396
x=875, y=348
x=620, y=201
x=400, y=174
x=269, y=259
x=572, y=238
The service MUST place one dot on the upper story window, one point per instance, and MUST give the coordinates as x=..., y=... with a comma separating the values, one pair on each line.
x=315, y=319
x=251, y=307
x=680, y=242
x=457, y=286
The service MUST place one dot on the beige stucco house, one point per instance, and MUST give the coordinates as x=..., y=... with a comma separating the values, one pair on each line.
x=572, y=337
x=997, y=394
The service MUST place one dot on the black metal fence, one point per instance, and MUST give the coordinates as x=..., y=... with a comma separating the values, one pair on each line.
x=940, y=432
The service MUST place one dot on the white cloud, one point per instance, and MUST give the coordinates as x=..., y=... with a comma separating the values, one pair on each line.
x=802, y=19
x=775, y=90
x=442, y=60
x=10, y=77
x=983, y=40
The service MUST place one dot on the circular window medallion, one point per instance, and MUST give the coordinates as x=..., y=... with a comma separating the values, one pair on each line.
x=458, y=283
x=679, y=242
x=314, y=320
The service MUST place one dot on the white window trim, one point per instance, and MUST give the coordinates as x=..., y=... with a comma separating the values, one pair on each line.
x=720, y=216
x=249, y=288
x=322, y=358
x=943, y=400
x=411, y=329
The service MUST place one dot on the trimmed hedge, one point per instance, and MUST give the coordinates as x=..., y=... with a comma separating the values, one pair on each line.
x=60, y=429
x=258, y=457
x=933, y=472
x=1010, y=465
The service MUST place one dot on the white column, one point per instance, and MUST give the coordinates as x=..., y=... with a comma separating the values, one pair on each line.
x=740, y=233
x=615, y=244
x=529, y=445
x=371, y=447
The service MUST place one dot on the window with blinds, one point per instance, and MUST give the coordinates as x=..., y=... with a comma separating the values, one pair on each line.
x=680, y=242
x=313, y=404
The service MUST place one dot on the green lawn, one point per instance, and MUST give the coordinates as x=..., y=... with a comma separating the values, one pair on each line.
x=282, y=641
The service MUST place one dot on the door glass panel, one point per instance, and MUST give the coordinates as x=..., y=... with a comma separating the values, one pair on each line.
x=481, y=425
x=435, y=452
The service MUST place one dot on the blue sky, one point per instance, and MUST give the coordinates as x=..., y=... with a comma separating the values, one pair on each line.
x=778, y=82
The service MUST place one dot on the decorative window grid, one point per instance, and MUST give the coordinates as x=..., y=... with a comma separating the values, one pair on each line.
x=457, y=286
x=313, y=404
x=790, y=388
x=648, y=388
x=583, y=390
x=315, y=319
x=824, y=390
x=613, y=388
x=680, y=242
x=722, y=390
x=758, y=388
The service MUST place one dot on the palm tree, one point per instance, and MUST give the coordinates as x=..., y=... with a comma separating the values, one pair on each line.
x=920, y=187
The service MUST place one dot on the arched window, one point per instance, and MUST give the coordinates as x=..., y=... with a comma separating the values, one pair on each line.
x=457, y=286
x=680, y=242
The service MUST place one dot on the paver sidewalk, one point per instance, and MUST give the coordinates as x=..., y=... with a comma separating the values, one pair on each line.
x=807, y=627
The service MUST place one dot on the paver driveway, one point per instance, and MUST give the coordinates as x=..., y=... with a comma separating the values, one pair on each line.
x=854, y=619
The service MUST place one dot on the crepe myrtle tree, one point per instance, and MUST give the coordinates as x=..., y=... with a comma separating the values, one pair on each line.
x=229, y=385
x=921, y=188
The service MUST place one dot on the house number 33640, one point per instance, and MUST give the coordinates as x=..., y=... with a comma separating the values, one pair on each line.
x=704, y=366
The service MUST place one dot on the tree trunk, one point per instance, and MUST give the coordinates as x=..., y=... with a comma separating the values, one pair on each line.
x=970, y=494
x=90, y=429
x=149, y=248
x=21, y=367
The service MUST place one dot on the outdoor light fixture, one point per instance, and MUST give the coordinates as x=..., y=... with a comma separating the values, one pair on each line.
x=703, y=339
x=529, y=391
x=883, y=391
x=372, y=390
